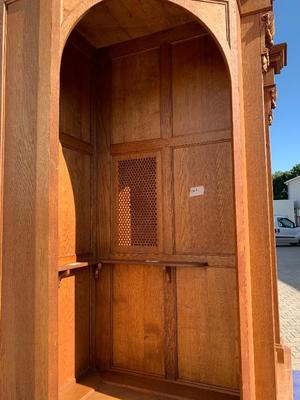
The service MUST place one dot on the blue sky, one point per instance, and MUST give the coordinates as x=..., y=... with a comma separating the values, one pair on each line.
x=285, y=131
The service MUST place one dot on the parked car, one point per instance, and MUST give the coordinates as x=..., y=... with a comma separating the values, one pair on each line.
x=286, y=231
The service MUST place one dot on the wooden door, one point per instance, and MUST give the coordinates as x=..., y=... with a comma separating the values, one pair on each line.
x=166, y=297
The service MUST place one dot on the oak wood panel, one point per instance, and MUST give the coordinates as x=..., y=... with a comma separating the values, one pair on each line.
x=201, y=88
x=166, y=122
x=208, y=326
x=258, y=204
x=74, y=203
x=74, y=326
x=117, y=21
x=102, y=115
x=103, y=319
x=75, y=98
x=158, y=39
x=28, y=361
x=17, y=319
x=170, y=332
x=72, y=143
x=136, y=97
x=138, y=318
x=242, y=222
x=204, y=224
x=223, y=135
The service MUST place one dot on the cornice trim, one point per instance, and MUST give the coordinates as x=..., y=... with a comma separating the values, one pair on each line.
x=278, y=57
x=253, y=12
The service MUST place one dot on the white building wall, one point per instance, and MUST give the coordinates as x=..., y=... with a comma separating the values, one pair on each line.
x=285, y=208
x=294, y=195
x=294, y=190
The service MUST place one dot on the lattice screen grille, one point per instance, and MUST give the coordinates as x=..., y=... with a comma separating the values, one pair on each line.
x=137, y=202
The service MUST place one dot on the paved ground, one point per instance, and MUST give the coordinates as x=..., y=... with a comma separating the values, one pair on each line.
x=289, y=298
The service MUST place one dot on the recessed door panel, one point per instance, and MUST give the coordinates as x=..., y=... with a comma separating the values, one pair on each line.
x=207, y=326
x=138, y=320
x=135, y=97
x=204, y=211
x=201, y=93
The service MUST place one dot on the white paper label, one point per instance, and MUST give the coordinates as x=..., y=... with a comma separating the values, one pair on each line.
x=197, y=191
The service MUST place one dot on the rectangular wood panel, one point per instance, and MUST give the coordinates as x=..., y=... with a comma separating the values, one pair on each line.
x=74, y=203
x=201, y=90
x=138, y=318
x=103, y=319
x=204, y=224
x=136, y=97
x=207, y=326
x=22, y=272
x=75, y=98
x=74, y=326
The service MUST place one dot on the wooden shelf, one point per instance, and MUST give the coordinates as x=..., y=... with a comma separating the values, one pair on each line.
x=77, y=265
x=67, y=270
x=176, y=264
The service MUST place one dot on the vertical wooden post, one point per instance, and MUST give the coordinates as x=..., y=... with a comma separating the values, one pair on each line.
x=258, y=208
x=269, y=92
x=247, y=372
x=29, y=117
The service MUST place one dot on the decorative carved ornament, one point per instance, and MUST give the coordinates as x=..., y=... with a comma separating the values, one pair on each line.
x=269, y=31
x=271, y=104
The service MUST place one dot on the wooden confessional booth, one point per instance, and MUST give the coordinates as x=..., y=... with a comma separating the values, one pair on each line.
x=163, y=287
x=146, y=208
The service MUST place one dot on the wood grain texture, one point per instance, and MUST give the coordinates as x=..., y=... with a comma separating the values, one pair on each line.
x=75, y=99
x=102, y=116
x=255, y=7
x=135, y=97
x=201, y=89
x=120, y=384
x=30, y=242
x=170, y=328
x=103, y=319
x=208, y=326
x=118, y=21
x=159, y=39
x=74, y=203
x=138, y=318
x=74, y=326
x=259, y=240
x=204, y=224
x=28, y=329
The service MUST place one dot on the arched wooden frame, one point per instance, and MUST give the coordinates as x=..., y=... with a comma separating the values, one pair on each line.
x=53, y=40
x=243, y=263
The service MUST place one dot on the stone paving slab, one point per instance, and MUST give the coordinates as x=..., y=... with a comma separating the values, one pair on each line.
x=288, y=259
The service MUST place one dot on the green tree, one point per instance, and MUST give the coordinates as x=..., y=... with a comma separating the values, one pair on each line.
x=279, y=179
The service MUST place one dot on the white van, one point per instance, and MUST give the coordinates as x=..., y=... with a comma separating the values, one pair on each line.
x=286, y=231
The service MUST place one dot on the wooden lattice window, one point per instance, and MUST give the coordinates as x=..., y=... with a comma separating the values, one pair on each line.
x=136, y=202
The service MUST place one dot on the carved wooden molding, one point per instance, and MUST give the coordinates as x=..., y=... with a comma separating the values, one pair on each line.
x=253, y=7
x=268, y=37
x=278, y=57
x=271, y=98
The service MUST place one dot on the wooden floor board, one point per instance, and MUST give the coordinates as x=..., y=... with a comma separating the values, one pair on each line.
x=112, y=385
x=120, y=386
